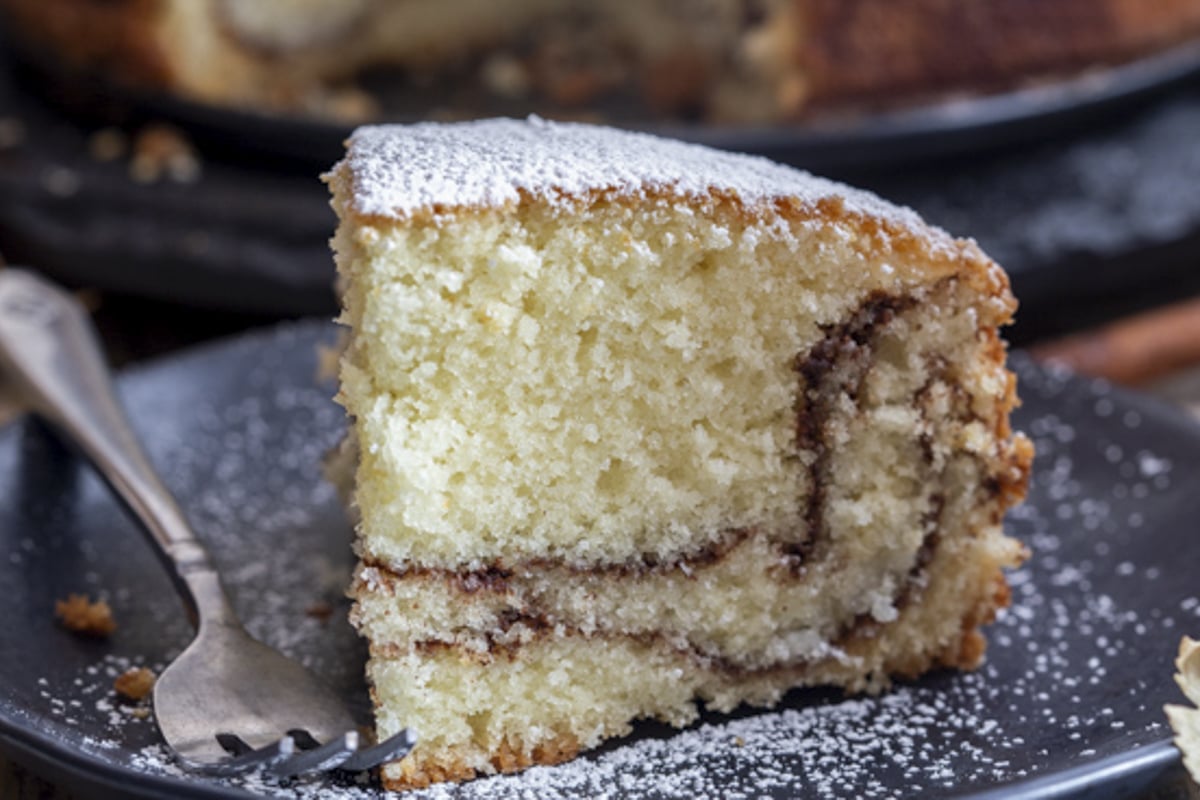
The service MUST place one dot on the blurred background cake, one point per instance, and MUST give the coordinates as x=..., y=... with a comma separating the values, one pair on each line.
x=712, y=60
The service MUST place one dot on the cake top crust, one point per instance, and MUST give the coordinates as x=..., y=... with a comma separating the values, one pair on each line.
x=399, y=171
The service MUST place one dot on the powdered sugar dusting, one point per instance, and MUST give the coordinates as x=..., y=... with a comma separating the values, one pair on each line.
x=401, y=170
x=1077, y=669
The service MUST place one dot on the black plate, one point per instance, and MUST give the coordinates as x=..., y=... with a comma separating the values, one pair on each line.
x=1069, y=703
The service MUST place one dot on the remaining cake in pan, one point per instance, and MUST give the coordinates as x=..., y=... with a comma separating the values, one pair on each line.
x=636, y=422
x=713, y=60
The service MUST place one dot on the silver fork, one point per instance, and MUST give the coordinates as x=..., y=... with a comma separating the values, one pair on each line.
x=228, y=704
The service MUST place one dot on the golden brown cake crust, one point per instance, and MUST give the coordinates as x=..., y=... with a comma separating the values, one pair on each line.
x=507, y=758
x=941, y=255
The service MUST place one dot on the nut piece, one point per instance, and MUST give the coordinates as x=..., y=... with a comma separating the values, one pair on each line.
x=81, y=615
x=134, y=683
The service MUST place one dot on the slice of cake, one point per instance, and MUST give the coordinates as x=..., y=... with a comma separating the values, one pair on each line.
x=636, y=422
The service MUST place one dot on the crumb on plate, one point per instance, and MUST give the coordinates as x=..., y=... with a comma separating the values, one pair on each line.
x=108, y=144
x=79, y=614
x=163, y=150
x=134, y=683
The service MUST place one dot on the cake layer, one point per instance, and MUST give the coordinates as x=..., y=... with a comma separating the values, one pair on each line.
x=902, y=452
x=544, y=699
x=642, y=354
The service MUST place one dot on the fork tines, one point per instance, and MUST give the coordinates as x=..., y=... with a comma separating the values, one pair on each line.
x=389, y=749
x=244, y=758
x=298, y=753
x=317, y=758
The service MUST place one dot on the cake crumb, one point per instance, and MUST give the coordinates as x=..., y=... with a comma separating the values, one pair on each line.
x=80, y=615
x=163, y=150
x=134, y=683
x=108, y=144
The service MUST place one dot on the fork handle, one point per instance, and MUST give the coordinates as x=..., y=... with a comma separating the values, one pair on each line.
x=49, y=348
